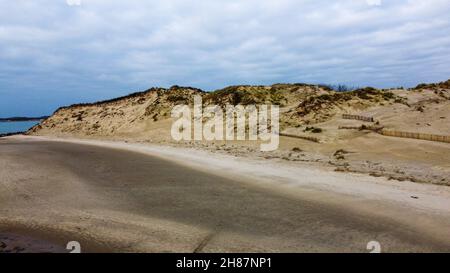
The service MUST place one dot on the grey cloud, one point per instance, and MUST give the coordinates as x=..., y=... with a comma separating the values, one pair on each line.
x=107, y=46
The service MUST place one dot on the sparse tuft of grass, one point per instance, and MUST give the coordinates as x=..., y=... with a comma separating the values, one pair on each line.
x=313, y=130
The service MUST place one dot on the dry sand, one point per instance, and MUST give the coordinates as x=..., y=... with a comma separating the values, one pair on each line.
x=125, y=197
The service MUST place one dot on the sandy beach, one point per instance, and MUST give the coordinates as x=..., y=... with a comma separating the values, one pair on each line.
x=114, y=196
x=242, y=129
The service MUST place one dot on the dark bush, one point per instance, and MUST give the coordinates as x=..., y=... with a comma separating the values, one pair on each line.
x=317, y=130
x=388, y=95
x=176, y=98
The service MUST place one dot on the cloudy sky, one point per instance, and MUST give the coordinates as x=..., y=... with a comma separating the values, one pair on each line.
x=57, y=52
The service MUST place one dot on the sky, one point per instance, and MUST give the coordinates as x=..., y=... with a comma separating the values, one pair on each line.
x=59, y=52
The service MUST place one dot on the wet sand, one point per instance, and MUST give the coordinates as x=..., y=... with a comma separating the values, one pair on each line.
x=113, y=200
x=15, y=243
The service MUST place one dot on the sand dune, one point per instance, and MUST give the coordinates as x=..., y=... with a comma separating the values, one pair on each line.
x=145, y=117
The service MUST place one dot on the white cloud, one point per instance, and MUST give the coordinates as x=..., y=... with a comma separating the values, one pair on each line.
x=105, y=44
x=73, y=2
x=374, y=2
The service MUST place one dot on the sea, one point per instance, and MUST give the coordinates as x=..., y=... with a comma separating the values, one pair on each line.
x=16, y=126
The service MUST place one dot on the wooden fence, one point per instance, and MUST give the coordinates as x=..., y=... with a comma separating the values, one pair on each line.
x=358, y=117
x=429, y=137
x=349, y=128
x=310, y=138
x=361, y=127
